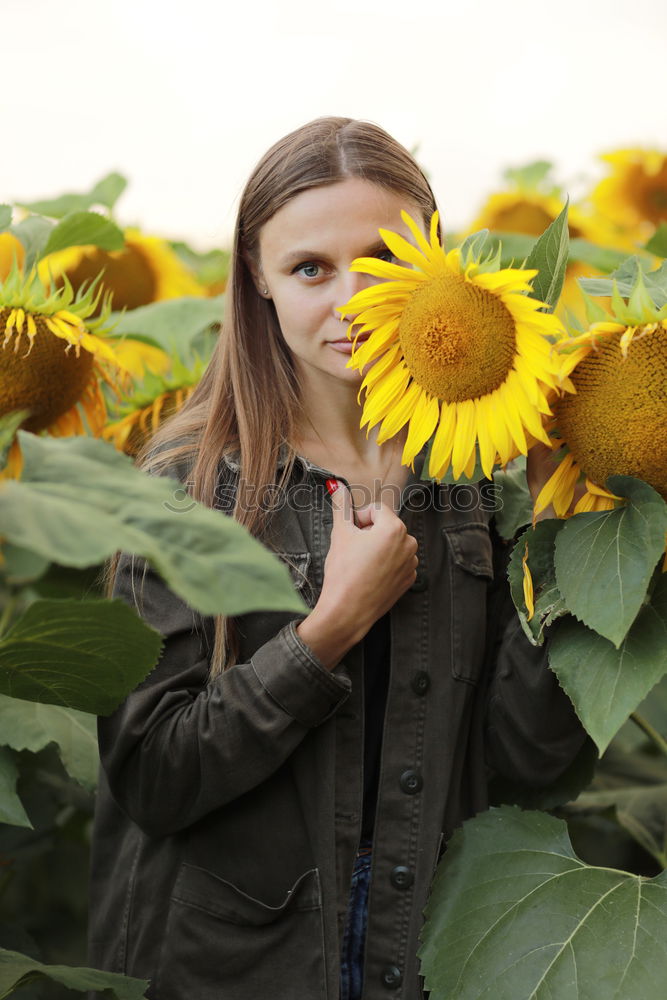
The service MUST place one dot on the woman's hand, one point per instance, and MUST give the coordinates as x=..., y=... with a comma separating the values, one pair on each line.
x=368, y=567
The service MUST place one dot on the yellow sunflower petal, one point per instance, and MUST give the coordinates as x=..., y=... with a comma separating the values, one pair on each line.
x=465, y=436
x=422, y=424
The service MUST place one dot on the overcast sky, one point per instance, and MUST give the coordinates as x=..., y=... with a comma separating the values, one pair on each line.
x=183, y=97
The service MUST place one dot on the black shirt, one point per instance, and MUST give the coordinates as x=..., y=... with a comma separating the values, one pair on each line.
x=377, y=644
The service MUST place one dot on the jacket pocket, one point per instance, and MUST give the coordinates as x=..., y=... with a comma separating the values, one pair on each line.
x=471, y=570
x=220, y=942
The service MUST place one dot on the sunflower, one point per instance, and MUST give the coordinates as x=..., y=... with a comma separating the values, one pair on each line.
x=53, y=358
x=145, y=270
x=634, y=196
x=140, y=413
x=459, y=348
x=616, y=422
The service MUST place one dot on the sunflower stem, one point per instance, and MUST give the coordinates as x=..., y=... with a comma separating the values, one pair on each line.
x=653, y=734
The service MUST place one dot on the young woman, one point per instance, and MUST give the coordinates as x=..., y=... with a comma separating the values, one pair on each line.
x=275, y=796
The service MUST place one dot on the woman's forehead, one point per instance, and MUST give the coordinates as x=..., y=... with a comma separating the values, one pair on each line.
x=349, y=211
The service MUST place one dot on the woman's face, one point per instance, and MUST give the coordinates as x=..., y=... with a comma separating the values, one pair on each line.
x=306, y=249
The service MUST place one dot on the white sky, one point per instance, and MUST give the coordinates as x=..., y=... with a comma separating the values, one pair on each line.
x=183, y=97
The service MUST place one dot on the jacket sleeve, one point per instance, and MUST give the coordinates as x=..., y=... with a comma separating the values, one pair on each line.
x=532, y=731
x=181, y=745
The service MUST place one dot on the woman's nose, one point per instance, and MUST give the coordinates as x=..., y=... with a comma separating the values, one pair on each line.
x=351, y=283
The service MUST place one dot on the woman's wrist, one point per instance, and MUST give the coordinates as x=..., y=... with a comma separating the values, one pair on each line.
x=328, y=636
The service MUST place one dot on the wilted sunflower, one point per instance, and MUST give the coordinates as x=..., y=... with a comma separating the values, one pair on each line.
x=53, y=357
x=142, y=411
x=616, y=423
x=145, y=270
x=634, y=196
x=459, y=349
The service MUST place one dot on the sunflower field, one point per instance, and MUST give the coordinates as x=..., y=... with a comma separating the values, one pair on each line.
x=541, y=326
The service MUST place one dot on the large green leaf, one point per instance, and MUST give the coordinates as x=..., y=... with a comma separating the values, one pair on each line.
x=82, y=654
x=604, y=560
x=640, y=810
x=28, y=725
x=602, y=258
x=11, y=807
x=106, y=192
x=605, y=684
x=17, y=969
x=84, y=229
x=79, y=500
x=9, y=424
x=550, y=256
x=515, y=508
x=515, y=915
x=625, y=278
x=5, y=217
x=173, y=324
x=33, y=233
x=548, y=602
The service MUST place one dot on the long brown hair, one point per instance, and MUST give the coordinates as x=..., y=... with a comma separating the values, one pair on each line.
x=248, y=398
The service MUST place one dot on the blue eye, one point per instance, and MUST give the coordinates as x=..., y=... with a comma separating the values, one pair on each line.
x=386, y=255
x=309, y=269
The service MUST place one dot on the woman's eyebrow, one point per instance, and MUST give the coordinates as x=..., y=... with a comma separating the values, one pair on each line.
x=296, y=256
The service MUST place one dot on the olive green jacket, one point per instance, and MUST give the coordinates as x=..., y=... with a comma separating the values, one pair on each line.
x=228, y=812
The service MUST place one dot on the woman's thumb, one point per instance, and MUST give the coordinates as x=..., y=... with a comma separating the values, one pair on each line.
x=341, y=502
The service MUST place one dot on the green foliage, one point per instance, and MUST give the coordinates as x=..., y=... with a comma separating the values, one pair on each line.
x=106, y=192
x=658, y=242
x=602, y=258
x=604, y=560
x=550, y=256
x=9, y=424
x=606, y=683
x=33, y=233
x=80, y=500
x=173, y=324
x=11, y=807
x=84, y=655
x=515, y=913
x=532, y=175
x=624, y=278
x=29, y=725
x=5, y=217
x=516, y=508
x=17, y=969
x=548, y=601
x=84, y=229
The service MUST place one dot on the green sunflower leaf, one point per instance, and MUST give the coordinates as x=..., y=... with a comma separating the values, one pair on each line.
x=531, y=175
x=85, y=655
x=84, y=229
x=11, y=807
x=33, y=233
x=625, y=280
x=515, y=508
x=550, y=257
x=604, y=560
x=548, y=602
x=79, y=500
x=658, y=243
x=602, y=258
x=31, y=725
x=605, y=683
x=17, y=969
x=5, y=217
x=106, y=192
x=514, y=913
x=172, y=324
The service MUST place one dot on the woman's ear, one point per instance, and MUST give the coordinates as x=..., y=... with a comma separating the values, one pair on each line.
x=258, y=277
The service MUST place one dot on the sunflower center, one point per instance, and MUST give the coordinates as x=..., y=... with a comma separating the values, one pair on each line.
x=616, y=424
x=127, y=274
x=49, y=381
x=458, y=339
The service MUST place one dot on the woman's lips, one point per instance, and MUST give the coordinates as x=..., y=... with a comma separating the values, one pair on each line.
x=345, y=346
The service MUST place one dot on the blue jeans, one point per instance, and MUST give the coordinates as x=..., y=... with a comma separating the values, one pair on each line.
x=354, y=935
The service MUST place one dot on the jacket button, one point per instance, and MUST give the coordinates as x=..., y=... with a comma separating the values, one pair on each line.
x=391, y=977
x=411, y=782
x=401, y=877
x=420, y=682
x=421, y=583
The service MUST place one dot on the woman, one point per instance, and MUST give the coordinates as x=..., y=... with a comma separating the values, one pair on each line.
x=274, y=797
